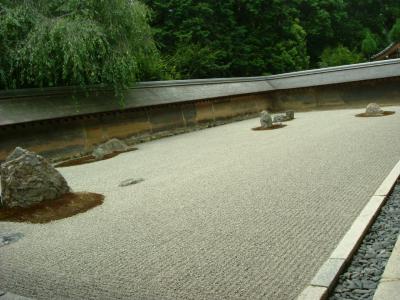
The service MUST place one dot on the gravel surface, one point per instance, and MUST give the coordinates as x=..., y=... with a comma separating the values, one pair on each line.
x=362, y=276
x=224, y=213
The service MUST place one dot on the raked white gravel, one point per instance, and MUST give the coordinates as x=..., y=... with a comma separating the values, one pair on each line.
x=223, y=213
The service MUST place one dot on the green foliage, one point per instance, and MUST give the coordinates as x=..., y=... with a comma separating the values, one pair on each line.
x=291, y=55
x=338, y=56
x=82, y=42
x=368, y=45
x=78, y=43
x=255, y=37
x=394, y=34
x=195, y=60
x=229, y=38
x=323, y=22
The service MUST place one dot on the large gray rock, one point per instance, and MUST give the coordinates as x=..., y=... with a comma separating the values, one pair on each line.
x=265, y=119
x=113, y=145
x=373, y=109
x=28, y=178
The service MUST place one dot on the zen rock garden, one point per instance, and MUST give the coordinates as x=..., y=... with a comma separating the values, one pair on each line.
x=220, y=204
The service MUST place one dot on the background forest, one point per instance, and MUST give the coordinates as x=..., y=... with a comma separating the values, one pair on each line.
x=118, y=42
x=207, y=38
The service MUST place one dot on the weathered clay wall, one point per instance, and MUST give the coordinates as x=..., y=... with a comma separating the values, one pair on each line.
x=356, y=94
x=65, y=137
x=69, y=136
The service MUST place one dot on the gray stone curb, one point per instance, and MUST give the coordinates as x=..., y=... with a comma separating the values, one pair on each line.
x=389, y=285
x=327, y=275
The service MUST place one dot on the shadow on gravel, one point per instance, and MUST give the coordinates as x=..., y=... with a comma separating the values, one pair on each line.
x=275, y=126
x=384, y=114
x=66, y=206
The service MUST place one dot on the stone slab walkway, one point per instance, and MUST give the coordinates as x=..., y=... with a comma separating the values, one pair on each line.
x=223, y=213
x=389, y=285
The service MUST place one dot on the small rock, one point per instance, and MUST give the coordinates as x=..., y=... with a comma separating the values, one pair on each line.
x=265, y=119
x=373, y=109
x=383, y=255
x=6, y=239
x=370, y=271
x=280, y=118
x=370, y=254
x=130, y=182
x=360, y=291
x=376, y=278
x=113, y=145
x=367, y=284
x=290, y=114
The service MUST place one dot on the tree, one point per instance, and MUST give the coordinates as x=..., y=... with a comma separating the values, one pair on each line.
x=75, y=43
x=234, y=38
x=338, y=56
x=394, y=33
x=323, y=21
x=368, y=45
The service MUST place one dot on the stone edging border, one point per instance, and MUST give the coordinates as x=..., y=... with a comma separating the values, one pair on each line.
x=327, y=275
x=389, y=285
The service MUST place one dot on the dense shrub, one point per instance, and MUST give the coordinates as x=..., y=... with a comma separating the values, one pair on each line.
x=77, y=42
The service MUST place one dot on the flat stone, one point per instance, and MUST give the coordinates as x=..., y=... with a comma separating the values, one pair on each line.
x=131, y=181
x=360, y=291
x=392, y=270
x=327, y=274
x=367, y=284
x=373, y=206
x=388, y=290
x=9, y=238
x=352, y=238
x=387, y=185
x=313, y=293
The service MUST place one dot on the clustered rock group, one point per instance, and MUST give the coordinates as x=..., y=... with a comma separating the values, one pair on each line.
x=267, y=121
x=28, y=178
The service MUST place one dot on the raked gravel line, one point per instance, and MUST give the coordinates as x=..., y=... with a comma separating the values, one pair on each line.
x=223, y=213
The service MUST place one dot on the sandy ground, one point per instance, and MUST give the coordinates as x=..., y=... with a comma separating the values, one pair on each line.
x=223, y=213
